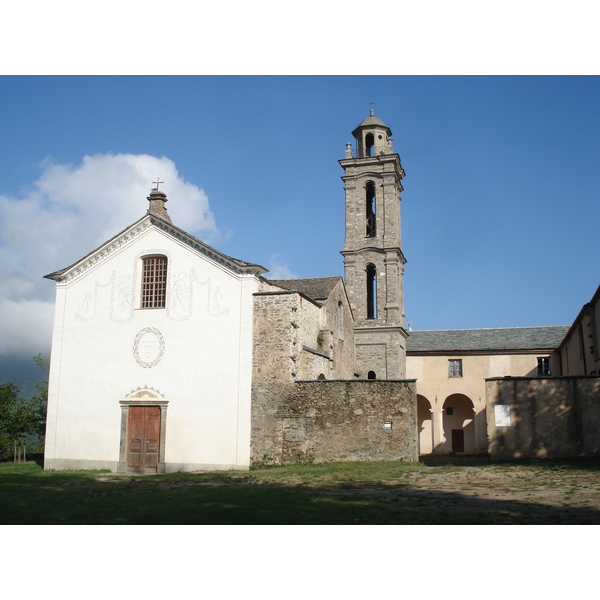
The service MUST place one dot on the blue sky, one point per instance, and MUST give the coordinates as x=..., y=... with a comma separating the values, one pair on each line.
x=499, y=212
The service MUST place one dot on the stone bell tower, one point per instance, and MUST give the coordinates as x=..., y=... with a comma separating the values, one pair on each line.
x=373, y=259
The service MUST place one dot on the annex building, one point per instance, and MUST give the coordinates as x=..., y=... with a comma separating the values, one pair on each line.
x=451, y=368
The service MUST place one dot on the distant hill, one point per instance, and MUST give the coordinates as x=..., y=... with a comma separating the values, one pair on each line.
x=23, y=372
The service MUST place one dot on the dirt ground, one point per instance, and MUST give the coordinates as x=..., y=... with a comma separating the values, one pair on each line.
x=495, y=495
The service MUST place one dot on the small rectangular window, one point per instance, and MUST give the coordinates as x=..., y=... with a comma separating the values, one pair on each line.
x=154, y=282
x=543, y=366
x=455, y=368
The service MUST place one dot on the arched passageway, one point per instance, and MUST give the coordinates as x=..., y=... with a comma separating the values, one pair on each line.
x=459, y=425
x=424, y=425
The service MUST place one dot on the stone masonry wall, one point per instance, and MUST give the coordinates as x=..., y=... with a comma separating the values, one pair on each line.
x=323, y=421
x=295, y=338
x=279, y=323
x=341, y=335
x=549, y=417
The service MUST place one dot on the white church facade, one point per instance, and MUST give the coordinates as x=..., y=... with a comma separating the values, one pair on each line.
x=151, y=316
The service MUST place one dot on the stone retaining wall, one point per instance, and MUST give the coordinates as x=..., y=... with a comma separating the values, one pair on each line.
x=323, y=421
x=543, y=417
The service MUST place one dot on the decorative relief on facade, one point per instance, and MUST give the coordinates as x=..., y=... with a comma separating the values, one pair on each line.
x=122, y=294
x=148, y=347
x=87, y=309
x=145, y=392
x=121, y=299
x=181, y=296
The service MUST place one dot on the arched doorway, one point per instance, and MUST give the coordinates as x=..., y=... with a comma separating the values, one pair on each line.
x=424, y=425
x=459, y=425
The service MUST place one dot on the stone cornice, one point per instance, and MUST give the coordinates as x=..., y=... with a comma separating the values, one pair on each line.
x=364, y=249
x=378, y=158
x=362, y=327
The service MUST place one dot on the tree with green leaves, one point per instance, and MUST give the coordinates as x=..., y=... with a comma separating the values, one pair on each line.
x=19, y=417
x=41, y=399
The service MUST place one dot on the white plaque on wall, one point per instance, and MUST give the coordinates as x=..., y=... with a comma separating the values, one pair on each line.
x=502, y=415
x=148, y=347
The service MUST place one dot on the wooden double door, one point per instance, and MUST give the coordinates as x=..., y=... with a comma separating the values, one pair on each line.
x=143, y=439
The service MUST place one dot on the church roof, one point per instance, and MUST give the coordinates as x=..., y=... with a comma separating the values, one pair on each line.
x=317, y=288
x=134, y=229
x=482, y=340
x=372, y=121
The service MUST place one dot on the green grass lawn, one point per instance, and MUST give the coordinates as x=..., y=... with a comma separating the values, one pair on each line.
x=439, y=490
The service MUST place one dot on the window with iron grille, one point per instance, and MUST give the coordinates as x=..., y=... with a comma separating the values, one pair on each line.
x=154, y=282
x=543, y=366
x=455, y=368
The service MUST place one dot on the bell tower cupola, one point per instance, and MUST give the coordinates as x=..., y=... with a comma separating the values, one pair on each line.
x=373, y=258
x=372, y=137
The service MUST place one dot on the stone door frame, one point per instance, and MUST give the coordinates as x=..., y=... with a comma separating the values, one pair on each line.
x=148, y=401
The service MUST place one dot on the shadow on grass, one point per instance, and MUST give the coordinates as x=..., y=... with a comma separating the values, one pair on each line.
x=88, y=498
x=478, y=460
x=461, y=460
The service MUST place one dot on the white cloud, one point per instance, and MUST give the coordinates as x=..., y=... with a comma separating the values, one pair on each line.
x=70, y=211
x=279, y=271
x=26, y=327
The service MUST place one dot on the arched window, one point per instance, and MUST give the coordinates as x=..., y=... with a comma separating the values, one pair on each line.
x=154, y=282
x=370, y=209
x=369, y=143
x=371, y=292
x=371, y=375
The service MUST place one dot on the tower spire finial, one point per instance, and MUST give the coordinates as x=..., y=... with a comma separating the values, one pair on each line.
x=371, y=111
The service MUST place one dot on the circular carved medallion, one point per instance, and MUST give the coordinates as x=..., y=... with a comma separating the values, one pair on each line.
x=148, y=347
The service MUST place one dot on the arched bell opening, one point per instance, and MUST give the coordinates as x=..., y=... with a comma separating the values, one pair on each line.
x=369, y=143
x=371, y=221
x=371, y=291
